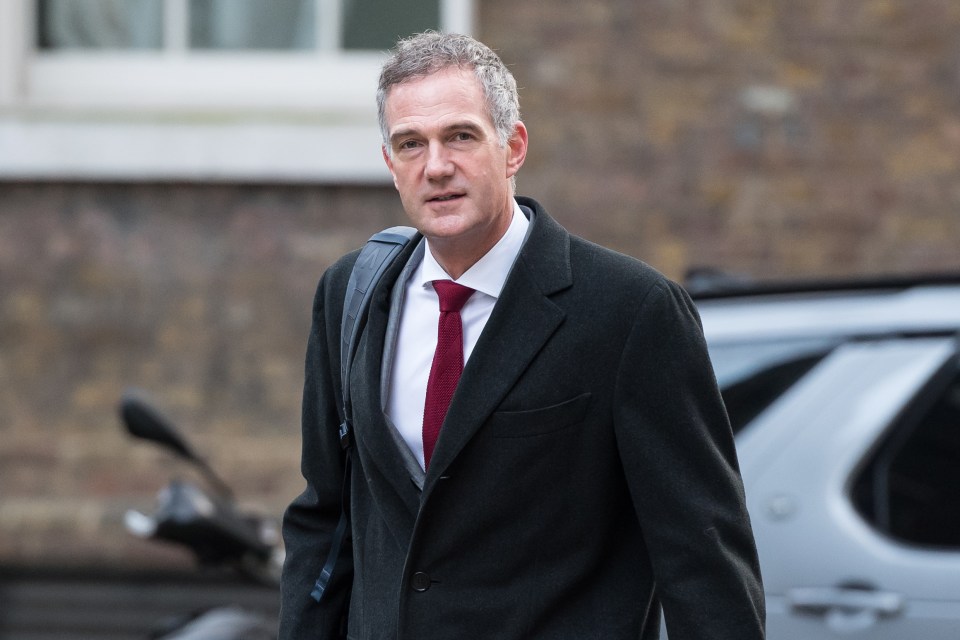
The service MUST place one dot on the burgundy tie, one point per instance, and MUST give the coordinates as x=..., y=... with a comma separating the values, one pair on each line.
x=447, y=361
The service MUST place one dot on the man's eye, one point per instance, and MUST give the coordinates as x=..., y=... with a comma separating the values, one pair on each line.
x=463, y=136
x=408, y=144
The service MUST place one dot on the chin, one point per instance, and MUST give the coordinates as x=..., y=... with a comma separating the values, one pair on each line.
x=444, y=225
x=442, y=232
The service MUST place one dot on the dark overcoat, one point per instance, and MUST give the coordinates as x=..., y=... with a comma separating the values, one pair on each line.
x=585, y=474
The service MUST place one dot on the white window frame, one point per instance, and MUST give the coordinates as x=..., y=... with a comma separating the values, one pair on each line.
x=188, y=115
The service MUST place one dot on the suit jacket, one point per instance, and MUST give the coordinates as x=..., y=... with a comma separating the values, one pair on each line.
x=584, y=476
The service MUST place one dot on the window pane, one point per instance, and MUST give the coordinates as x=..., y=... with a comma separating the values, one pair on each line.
x=911, y=488
x=252, y=24
x=99, y=24
x=753, y=376
x=749, y=397
x=378, y=24
x=735, y=363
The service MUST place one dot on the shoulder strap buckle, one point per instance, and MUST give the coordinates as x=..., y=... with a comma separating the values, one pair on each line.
x=345, y=431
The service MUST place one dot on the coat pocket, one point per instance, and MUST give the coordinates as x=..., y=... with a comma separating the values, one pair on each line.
x=536, y=422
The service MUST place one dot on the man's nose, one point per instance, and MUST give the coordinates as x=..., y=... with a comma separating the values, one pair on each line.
x=439, y=162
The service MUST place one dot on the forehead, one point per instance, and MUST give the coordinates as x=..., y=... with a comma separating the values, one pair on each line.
x=449, y=94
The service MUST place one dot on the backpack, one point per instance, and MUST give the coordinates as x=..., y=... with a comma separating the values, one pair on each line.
x=377, y=254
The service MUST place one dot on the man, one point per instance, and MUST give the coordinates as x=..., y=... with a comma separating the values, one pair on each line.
x=579, y=475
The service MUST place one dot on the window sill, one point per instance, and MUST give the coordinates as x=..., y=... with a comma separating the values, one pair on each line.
x=178, y=149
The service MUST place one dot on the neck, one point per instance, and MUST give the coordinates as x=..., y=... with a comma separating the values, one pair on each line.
x=454, y=259
x=456, y=254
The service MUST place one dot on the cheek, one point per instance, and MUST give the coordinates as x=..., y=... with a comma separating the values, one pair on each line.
x=403, y=177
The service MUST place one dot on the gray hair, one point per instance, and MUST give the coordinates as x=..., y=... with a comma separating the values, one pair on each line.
x=427, y=53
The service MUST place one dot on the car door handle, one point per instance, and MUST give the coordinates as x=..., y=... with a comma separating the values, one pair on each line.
x=849, y=600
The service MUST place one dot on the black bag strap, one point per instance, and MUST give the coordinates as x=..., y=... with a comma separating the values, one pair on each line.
x=379, y=253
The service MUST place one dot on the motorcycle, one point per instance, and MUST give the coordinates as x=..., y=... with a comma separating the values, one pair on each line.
x=208, y=523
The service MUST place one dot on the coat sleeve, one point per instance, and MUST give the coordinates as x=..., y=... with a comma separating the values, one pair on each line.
x=679, y=458
x=311, y=518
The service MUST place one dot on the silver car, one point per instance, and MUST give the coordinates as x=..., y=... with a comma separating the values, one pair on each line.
x=846, y=404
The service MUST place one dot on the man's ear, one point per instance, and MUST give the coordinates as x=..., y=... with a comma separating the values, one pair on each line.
x=389, y=161
x=516, y=149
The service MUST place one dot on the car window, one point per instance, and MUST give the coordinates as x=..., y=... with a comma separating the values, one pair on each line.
x=752, y=376
x=910, y=488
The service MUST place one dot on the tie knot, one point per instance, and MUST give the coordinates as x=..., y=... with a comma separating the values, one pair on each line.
x=452, y=295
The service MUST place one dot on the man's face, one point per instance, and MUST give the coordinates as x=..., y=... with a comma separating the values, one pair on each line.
x=447, y=163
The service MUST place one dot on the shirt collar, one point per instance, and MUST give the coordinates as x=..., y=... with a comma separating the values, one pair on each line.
x=490, y=272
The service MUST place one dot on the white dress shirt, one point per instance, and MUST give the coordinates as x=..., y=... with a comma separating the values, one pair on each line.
x=420, y=314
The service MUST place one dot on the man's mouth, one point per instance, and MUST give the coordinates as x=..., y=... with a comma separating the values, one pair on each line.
x=446, y=198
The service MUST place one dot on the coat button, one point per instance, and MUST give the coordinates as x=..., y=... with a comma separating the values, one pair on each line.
x=420, y=581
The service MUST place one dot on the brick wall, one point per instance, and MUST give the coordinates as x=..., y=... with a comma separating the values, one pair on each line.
x=199, y=295
x=772, y=138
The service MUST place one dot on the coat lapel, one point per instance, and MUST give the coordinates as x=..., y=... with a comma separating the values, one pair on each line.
x=522, y=321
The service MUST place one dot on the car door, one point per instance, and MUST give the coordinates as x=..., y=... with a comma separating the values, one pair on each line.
x=816, y=465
